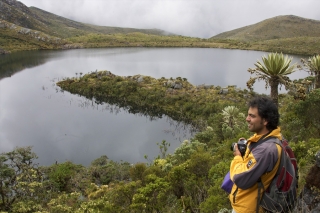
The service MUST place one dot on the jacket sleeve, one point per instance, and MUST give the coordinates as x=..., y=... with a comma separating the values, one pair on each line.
x=246, y=172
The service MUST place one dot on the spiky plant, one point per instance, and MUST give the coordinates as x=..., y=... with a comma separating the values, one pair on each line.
x=313, y=66
x=273, y=69
x=233, y=121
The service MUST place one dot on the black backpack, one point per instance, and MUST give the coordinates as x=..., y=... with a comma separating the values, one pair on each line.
x=281, y=195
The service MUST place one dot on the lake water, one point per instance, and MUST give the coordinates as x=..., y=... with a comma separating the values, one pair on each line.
x=61, y=126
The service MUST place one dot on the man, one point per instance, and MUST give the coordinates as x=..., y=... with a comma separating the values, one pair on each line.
x=260, y=161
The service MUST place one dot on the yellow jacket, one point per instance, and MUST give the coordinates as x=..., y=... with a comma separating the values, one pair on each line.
x=259, y=162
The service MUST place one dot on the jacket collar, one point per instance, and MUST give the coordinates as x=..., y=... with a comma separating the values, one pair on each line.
x=274, y=133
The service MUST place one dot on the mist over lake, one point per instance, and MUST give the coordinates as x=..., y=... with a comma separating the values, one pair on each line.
x=61, y=126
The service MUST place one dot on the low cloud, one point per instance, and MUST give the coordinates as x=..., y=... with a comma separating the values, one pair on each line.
x=196, y=18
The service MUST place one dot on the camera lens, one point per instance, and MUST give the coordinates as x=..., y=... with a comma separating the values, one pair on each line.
x=232, y=146
x=242, y=141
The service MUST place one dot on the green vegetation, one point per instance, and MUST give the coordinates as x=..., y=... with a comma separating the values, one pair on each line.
x=176, y=98
x=187, y=180
x=273, y=70
x=299, y=45
x=17, y=38
x=138, y=39
x=312, y=66
x=287, y=34
x=279, y=27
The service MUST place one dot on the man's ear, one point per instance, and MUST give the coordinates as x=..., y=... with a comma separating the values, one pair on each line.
x=265, y=122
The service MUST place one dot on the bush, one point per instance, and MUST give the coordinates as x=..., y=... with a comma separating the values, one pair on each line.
x=301, y=119
x=61, y=175
x=137, y=170
x=218, y=198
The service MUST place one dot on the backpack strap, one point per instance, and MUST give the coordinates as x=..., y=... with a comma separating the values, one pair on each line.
x=282, y=157
x=260, y=184
x=260, y=141
x=282, y=161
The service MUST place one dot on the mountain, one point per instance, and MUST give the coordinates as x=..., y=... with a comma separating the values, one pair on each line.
x=287, y=34
x=279, y=27
x=30, y=28
x=66, y=28
x=34, y=18
x=17, y=13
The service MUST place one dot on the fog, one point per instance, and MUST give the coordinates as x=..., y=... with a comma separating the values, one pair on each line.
x=196, y=18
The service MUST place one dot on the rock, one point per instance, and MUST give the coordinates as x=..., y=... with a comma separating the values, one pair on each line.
x=311, y=180
x=173, y=84
x=170, y=84
x=177, y=86
x=310, y=200
x=24, y=31
x=223, y=91
x=140, y=79
x=13, y=26
x=311, y=192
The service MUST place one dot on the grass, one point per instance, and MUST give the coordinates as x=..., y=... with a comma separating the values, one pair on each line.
x=13, y=41
x=279, y=27
x=137, y=39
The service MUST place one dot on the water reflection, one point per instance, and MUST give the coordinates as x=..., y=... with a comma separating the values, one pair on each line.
x=15, y=62
x=113, y=106
x=62, y=126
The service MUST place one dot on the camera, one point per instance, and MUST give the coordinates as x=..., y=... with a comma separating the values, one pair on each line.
x=242, y=146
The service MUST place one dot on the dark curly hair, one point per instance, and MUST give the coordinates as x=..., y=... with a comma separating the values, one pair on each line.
x=267, y=110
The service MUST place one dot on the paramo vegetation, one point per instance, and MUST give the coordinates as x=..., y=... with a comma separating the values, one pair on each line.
x=187, y=180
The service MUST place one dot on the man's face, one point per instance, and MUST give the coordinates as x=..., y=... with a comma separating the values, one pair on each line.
x=255, y=122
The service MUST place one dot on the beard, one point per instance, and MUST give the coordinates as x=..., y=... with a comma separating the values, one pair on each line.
x=256, y=127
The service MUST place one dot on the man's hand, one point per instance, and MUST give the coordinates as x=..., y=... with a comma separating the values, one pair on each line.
x=235, y=148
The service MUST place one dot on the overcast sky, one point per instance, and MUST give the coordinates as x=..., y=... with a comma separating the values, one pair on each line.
x=196, y=18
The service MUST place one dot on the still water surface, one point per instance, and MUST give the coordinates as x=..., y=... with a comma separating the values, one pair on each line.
x=61, y=126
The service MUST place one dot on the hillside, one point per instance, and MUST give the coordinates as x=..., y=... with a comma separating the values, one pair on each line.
x=65, y=28
x=30, y=28
x=34, y=18
x=279, y=27
x=287, y=34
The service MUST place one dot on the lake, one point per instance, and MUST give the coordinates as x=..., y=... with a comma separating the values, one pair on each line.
x=61, y=126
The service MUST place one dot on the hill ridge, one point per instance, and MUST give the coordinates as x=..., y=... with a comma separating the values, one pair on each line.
x=37, y=19
x=284, y=26
x=20, y=26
